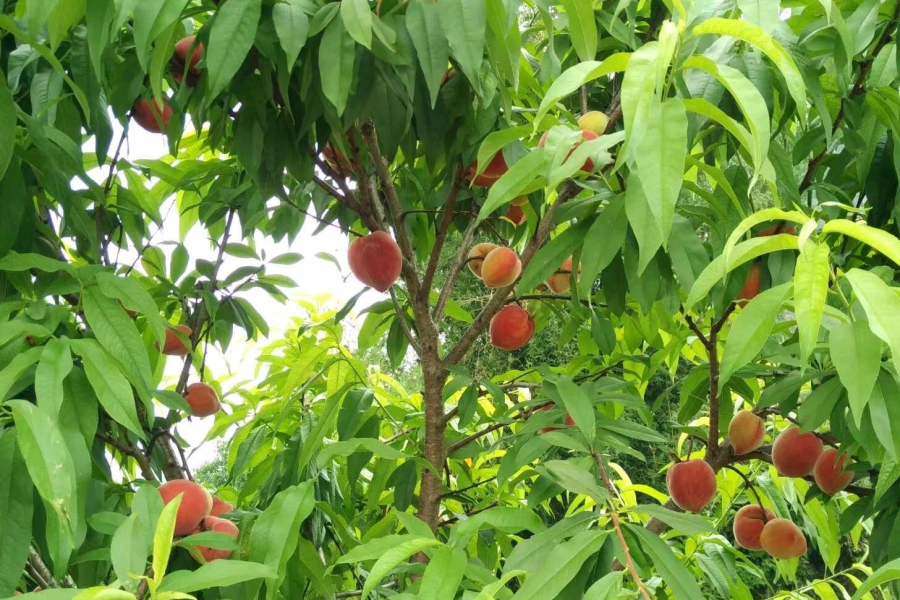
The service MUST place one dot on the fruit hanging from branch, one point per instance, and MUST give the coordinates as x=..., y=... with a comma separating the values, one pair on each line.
x=149, y=115
x=476, y=257
x=780, y=538
x=748, y=525
x=196, y=502
x=831, y=472
x=511, y=328
x=174, y=346
x=794, y=454
x=202, y=399
x=217, y=525
x=501, y=267
x=375, y=260
x=692, y=484
x=746, y=432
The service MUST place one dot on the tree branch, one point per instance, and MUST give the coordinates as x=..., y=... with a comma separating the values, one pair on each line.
x=129, y=450
x=441, y=237
x=455, y=267
x=401, y=318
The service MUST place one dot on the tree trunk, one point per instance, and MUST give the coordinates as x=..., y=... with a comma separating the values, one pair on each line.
x=430, y=490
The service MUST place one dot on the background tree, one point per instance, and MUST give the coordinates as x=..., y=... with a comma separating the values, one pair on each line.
x=686, y=196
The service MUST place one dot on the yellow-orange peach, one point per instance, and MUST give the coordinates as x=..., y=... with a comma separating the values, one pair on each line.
x=501, y=267
x=751, y=285
x=476, y=256
x=515, y=215
x=494, y=171
x=511, y=328
x=219, y=507
x=196, y=503
x=173, y=345
x=746, y=432
x=829, y=471
x=150, y=116
x=560, y=281
x=692, y=484
x=794, y=454
x=202, y=399
x=375, y=260
x=594, y=121
x=219, y=526
x=780, y=538
x=749, y=523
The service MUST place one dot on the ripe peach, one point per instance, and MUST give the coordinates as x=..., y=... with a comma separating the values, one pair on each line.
x=587, y=136
x=749, y=523
x=560, y=282
x=829, y=471
x=794, y=454
x=476, y=256
x=780, y=538
x=219, y=507
x=173, y=345
x=219, y=526
x=148, y=115
x=746, y=432
x=501, y=267
x=511, y=328
x=494, y=171
x=594, y=121
x=772, y=230
x=375, y=260
x=751, y=285
x=196, y=503
x=182, y=47
x=692, y=484
x=202, y=399
x=515, y=215
x=519, y=200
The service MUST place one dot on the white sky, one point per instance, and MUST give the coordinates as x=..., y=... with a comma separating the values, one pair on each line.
x=317, y=279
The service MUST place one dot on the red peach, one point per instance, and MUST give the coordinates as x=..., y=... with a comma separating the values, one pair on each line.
x=173, y=345
x=515, y=215
x=692, y=484
x=202, y=399
x=560, y=281
x=476, y=256
x=751, y=285
x=182, y=47
x=511, y=328
x=196, y=503
x=500, y=268
x=494, y=171
x=746, y=432
x=375, y=260
x=148, y=115
x=780, y=538
x=749, y=523
x=794, y=454
x=219, y=526
x=587, y=136
x=219, y=507
x=829, y=472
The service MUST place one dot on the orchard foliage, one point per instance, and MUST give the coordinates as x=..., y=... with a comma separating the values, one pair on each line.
x=701, y=193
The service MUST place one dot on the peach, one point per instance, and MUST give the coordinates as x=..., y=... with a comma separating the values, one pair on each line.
x=780, y=538
x=494, y=171
x=692, y=484
x=829, y=471
x=515, y=215
x=746, y=432
x=519, y=201
x=202, y=399
x=219, y=507
x=773, y=229
x=173, y=345
x=560, y=281
x=219, y=526
x=375, y=260
x=749, y=523
x=593, y=121
x=570, y=422
x=511, y=328
x=182, y=47
x=587, y=136
x=476, y=256
x=150, y=116
x=751, y=285
x=794, y=454
x=500, y=268
x=196, y=503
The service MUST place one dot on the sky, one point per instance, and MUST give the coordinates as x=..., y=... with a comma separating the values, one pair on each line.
x=317, y=279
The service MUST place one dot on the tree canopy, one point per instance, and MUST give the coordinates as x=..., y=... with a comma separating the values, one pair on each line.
x=630, y=326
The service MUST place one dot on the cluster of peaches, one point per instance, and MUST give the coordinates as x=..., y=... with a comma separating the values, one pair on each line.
x=201, y=397
x=199, y=512
x=692, y=484
x=147, y=113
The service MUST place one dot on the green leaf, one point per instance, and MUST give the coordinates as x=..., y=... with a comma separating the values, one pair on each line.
x=582, y=27
x=240, y=250
x=762, y=216
x=660, y=156
x=574, y=478
x=25, y=262
x=764, y=13
x=506, y=519
x=13, y=330
x=878, y=239
x=681, y=582
x=151, y=18
x=811, y=276
x=495, y=141
x=575, y=77
x=162, y=539
x=275, y=533
x=218, y=573
x=129, y=551
x=605, y=238
x=751, y=329
x=310, y=564
x=134, y=297
x=856, y=354
x=16, y=509
x=643, y=223
x=885, y=574
x=887, y=477
x=49, y=462
x=529, y=554
x=357, y=17
x=113, y=390
x=292, y=28
x=638, y=90
x=884, y=410
x=817, y=407
x=606, y=588
x=553, y=254
x=562, y=564
x=393, y=558
x=337, y=53
x=56, y=362
x=117, y=333
x=464, y=23
x=8, y=122
x=743, y=252
x=513, y=182
x=756, y=36
x=209, y=539
x=578, y=405
x=20, y=363
x=443, y=574
x=882, y=306
x=687, y=253
x=681, y=521
x=230, y=39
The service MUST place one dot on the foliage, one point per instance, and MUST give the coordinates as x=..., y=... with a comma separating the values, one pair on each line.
x=733, y=232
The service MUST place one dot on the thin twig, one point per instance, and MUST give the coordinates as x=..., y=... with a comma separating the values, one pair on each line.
x=443, y=228
x=41, y=571
x=129, y=450
x=469, y=487
x=401, y=318
x=752, y=488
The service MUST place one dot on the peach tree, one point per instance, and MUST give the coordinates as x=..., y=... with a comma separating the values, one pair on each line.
x=696, y=193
